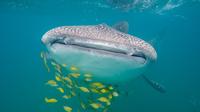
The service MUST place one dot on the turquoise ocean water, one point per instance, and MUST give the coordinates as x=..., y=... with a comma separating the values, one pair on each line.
x=172, y=26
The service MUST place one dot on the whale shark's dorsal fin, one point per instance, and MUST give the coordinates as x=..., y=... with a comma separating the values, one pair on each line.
x=121, y=26
x=103, y=25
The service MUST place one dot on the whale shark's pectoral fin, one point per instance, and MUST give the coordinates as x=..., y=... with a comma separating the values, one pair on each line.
x=121, y=26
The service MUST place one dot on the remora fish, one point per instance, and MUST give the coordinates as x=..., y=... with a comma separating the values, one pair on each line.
x=158, y=87
x=108, y=54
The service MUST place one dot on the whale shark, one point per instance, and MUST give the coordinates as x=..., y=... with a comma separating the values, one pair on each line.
x=110, y=55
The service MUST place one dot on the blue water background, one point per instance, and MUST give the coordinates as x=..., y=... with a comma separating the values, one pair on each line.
x=175, y=35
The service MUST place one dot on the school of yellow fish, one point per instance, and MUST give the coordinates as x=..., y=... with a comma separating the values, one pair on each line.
x=71, y=84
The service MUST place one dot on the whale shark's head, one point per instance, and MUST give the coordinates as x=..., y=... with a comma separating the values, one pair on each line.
x=108, y=54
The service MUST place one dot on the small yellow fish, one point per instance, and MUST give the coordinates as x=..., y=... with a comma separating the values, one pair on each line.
x=47, y=67
x=88, y=79
x=83, y=105
x=67, y=96
x=73, y=93
x=53, y=63
x=73, y=68
x=95, y=105
x=108, y=103
x=43, y=56
x=110, y=87
x=84, y=89
x=95, y=91
x=58, y=78
x=67, y=108
x=104, y=99
x=52, y=83
x=88, y=75
x=75, y=75
x=61, y=90
x=110, y=96
x=68, y=80
x=97, y=85
x=69, y=86
x=104, y=90
x=115, y=94
x=50, y=100
x=64, y=65
x=58, y=68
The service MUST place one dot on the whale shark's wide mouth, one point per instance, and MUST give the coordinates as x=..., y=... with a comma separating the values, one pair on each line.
x=97, y=48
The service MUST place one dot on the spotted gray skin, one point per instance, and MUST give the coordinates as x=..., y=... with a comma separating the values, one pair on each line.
x=101, y=36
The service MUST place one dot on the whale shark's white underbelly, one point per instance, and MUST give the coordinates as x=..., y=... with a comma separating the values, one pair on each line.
x=107, y=68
